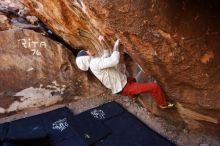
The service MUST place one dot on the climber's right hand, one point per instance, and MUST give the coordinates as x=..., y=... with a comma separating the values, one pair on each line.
x=116, y=46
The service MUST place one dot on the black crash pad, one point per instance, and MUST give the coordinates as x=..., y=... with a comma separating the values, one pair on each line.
x=3, y=130
x=89, y=124
x=33, y=142
x=106, y=125
x=51, y=128
x=30, y=128
x=129, y=131
x=90, y=129
x=126, y=129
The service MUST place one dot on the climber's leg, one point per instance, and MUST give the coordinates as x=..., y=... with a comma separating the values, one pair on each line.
x=135, y=88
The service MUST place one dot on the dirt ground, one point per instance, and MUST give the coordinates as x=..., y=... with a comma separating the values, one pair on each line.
x=180, y=136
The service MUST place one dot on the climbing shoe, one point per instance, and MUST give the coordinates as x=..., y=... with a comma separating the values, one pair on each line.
x=169, y=105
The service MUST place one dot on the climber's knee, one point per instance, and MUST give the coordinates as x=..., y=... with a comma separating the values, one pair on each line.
x=154, y=86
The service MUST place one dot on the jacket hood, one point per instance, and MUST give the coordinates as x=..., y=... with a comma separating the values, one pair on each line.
x=83, y=62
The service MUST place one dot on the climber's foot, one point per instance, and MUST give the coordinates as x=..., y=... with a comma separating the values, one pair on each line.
x=169, y=105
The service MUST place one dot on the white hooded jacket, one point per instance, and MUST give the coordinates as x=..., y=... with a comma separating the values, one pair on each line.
x=104, y=68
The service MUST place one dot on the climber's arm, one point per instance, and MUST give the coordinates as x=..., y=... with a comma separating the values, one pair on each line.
x=104, y=46
x=111, y=61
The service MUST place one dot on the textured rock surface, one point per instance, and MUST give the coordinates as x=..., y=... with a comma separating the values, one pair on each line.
x=13, y=7
x=37, y=71
x=4, y=22
x=175, y=41
x=66, y=19
x=13, y=14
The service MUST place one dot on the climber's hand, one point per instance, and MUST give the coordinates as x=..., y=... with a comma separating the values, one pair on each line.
x=101, y=38
x=116, y=46
x=117, y=42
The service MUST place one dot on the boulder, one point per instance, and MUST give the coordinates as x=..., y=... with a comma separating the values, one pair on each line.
x=12, y=15
x=32, y=19
x=177, y=42
x=65, y=19
x=37, y=71
x=13, y=6
x=4, y=22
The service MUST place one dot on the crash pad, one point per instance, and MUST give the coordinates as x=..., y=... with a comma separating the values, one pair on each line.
x=106, y=125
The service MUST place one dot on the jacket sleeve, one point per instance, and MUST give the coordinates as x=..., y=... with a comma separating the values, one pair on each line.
x=111, y=61
x=105, y=53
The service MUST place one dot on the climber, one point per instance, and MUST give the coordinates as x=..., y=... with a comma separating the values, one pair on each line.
x=105, y=69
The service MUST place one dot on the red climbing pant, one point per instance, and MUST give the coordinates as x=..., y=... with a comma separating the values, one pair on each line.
x=134, y=88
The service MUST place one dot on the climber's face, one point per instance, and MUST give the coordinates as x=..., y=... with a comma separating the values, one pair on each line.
x=90, y=53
